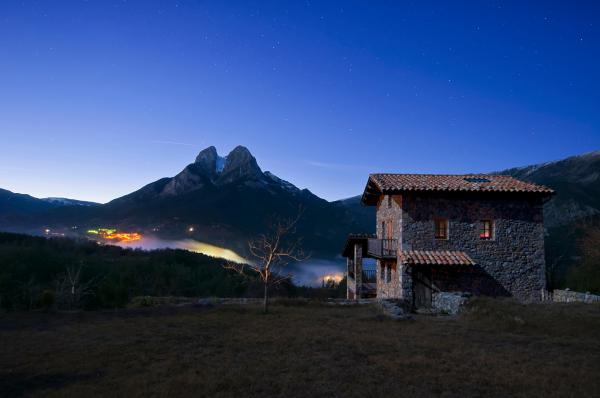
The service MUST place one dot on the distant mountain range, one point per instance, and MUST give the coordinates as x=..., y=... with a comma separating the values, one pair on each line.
x=227, y=200
x=576, y=181
x=69, y=202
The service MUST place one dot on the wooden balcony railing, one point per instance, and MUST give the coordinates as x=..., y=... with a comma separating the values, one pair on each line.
x=382, y=248
x=369, y=276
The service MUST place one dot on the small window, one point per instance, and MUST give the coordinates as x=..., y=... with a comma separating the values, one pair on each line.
x=441, y=228
x=389, y=274
x=389, y=200
x=382, y=273
x=487, y=230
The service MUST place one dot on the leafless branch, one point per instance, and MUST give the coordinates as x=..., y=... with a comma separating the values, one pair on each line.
x=271, y=252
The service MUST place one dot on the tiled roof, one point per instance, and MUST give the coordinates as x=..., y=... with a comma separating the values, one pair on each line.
x=442, y=257
x=466, y=182
x=356, y=238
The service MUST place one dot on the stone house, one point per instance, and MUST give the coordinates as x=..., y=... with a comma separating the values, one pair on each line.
x=481, y=234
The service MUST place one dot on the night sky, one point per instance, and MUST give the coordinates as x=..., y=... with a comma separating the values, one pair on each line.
x=98, y=98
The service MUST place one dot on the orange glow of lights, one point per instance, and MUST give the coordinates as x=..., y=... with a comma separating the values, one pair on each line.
x=124, y=236
x=119, y=236
x=337, y=277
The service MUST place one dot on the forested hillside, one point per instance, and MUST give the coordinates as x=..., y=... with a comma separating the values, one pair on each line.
x=62, y=273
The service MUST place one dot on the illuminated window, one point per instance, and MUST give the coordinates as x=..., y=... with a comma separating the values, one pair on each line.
x=441, y=228
x=487, y=230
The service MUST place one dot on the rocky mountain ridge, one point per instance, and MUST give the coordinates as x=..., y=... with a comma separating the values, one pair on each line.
x=576, y=181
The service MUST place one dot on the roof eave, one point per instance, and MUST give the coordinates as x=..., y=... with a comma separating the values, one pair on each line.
x=371, y=193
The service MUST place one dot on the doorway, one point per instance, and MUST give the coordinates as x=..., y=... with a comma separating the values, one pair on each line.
x=422, y=287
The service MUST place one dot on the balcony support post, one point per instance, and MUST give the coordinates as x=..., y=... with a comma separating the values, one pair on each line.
x=358, y=249
x=350, y=281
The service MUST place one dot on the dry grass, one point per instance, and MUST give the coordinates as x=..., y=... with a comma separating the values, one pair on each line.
x=497, y=349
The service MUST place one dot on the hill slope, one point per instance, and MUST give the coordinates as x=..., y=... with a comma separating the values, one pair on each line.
x=576, y=181
x=15, y=208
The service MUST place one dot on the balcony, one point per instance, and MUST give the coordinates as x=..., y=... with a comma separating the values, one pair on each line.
x=382, y=248
x=368, y=275
x=368, y=287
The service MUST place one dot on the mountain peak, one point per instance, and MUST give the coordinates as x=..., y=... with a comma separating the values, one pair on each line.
x=207, y=155
x=240, y=154
x=209, y=160
x=239, y=164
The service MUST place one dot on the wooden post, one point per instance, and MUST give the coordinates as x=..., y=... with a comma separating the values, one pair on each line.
x=350, y=283
x=358, y=269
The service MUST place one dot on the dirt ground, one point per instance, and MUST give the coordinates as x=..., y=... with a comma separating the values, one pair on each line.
x=497, y=348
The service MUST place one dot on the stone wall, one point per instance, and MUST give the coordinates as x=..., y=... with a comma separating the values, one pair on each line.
x=568, y=296
x=389, y=211
x=387, y=289
x=512, y=263
x=449, y=302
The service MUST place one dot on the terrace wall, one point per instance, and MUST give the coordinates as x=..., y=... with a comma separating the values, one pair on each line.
x=569, y=296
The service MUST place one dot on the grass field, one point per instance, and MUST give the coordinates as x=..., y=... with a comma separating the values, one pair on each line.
x=498, y=348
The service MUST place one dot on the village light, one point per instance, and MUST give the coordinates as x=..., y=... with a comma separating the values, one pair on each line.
x=191, y=229
x=47, y=231
x=117, y=236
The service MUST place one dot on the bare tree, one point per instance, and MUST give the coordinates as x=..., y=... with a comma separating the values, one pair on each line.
x=71, y=290
x=271, y=252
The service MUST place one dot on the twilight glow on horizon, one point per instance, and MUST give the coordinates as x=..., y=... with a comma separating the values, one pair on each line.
x=99, y=98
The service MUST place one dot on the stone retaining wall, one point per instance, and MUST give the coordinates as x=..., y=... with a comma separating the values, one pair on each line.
x=568, y=296
x=449, y=302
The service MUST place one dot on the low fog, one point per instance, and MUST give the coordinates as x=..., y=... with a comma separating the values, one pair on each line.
x=308, y=273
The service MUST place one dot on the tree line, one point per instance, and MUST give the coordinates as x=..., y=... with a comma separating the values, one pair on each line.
x=69, y=274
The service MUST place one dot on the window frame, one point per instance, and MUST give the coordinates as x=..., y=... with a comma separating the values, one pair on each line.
x=446, y=228
x=491, y=235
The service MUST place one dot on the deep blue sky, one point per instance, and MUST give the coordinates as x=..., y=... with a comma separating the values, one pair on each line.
x=98, y=98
